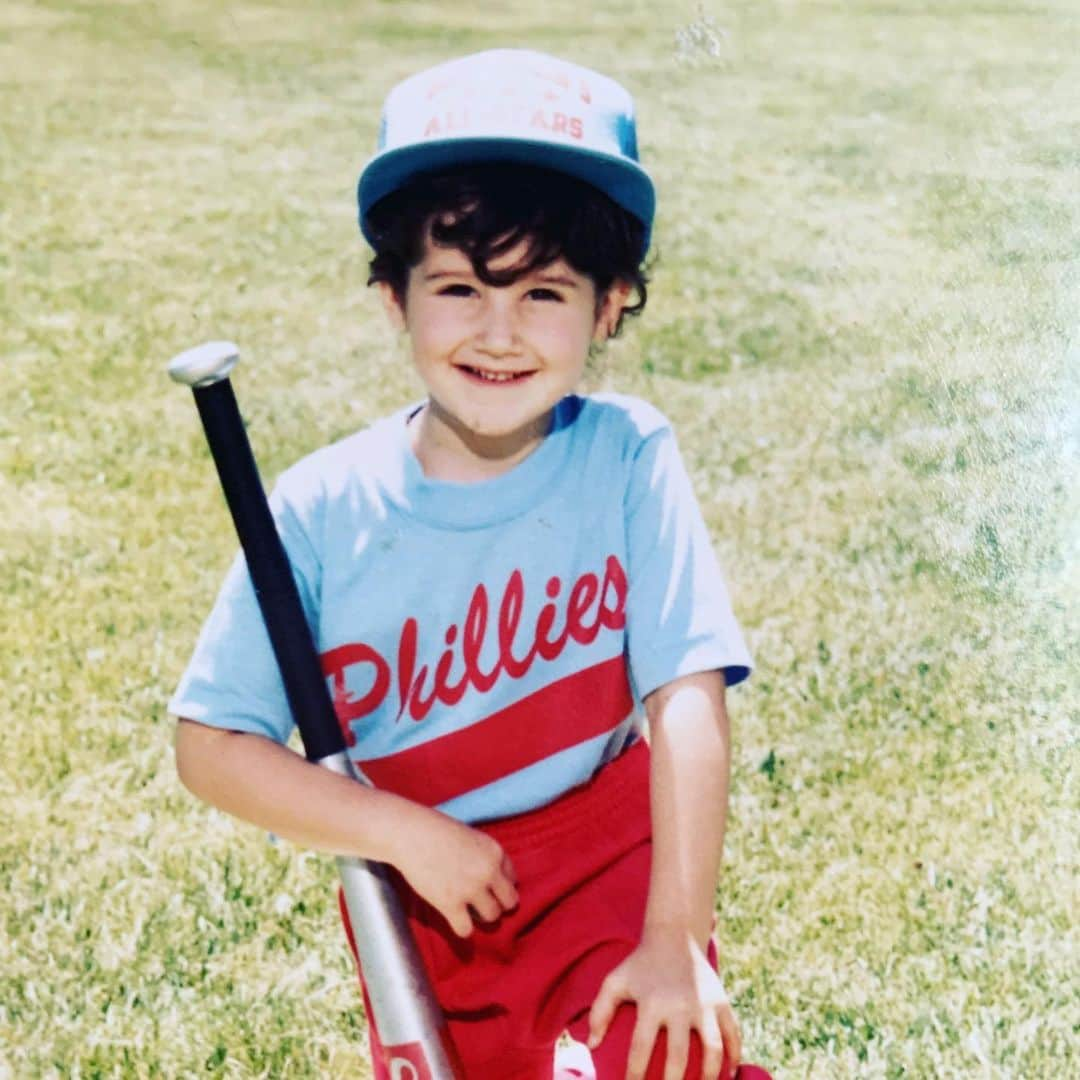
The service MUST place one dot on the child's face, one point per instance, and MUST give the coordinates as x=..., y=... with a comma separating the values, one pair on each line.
x=495, y=360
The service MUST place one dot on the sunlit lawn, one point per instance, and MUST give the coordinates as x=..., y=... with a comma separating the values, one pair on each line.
x=865, y=323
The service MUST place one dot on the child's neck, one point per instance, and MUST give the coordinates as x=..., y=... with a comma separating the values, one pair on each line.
x=447, y=451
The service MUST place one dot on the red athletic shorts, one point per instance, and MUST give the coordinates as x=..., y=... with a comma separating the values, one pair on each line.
x=513, y=987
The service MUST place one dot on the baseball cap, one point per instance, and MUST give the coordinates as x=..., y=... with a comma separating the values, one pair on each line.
x=511, y=105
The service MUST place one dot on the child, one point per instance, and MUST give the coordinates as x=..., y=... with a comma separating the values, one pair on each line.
x=497, y=578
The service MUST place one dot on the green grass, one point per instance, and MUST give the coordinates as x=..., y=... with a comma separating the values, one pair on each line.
x=865, y=323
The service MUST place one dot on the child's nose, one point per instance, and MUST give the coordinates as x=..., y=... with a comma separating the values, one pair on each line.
x=498, y=331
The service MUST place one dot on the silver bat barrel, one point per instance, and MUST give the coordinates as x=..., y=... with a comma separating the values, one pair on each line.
x=410, y=1024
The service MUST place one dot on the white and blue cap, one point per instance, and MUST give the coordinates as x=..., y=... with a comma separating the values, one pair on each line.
x=511, y=105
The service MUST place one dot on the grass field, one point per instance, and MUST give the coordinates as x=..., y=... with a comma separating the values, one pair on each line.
x=866, y=326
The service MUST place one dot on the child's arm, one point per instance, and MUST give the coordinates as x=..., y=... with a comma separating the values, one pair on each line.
x=458, y=870
x=668, y=976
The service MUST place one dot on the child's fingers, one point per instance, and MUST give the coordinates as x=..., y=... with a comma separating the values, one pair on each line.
x=712, y=1050
x=508, y=869
x=486, y=906
x=729, y=1032
x=610, y=995
x=505, y=892
x=678, y=1049
x=646, y=1030
x=460, y=920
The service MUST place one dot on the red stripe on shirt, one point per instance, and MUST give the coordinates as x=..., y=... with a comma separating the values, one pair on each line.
x=557, y=717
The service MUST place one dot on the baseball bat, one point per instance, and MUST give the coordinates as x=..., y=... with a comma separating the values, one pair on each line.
x=405, y=1013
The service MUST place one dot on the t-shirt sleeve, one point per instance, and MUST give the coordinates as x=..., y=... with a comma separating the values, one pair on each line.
x=679, y=617
x=232, y=680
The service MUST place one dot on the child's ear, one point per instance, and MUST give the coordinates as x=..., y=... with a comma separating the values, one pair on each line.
x=610, y=309
x=392, y=305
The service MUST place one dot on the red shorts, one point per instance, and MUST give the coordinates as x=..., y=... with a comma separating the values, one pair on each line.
x=513, y=987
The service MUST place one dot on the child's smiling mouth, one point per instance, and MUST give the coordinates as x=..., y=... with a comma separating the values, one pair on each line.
x=489, y=377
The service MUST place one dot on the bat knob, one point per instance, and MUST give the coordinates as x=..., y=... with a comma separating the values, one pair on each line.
x=204, y=365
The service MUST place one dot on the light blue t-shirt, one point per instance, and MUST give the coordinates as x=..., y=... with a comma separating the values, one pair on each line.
x=487, y=645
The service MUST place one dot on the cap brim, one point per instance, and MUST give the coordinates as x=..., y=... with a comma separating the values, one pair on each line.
x=622, y=180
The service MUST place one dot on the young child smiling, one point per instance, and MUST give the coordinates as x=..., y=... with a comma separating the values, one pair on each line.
x=495, y=361
x=505, y=581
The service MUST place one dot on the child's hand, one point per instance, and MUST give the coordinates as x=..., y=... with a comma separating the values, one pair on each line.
x=673, y=986
x=459, y=870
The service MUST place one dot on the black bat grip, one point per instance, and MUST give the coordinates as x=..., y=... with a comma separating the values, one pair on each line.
x=271, y=574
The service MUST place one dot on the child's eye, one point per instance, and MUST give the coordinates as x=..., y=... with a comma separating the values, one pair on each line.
x=456, y=290
x=544, y=294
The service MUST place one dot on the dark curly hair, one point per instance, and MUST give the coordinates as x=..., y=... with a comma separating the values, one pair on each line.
x=487, y=210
